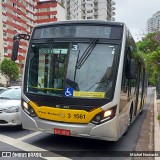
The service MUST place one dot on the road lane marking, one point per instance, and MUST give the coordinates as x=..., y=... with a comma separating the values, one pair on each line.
x=29, y=148
x=29, y=136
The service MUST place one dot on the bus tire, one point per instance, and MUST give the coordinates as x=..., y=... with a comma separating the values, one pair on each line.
x=142, y=108
x=129, y=121
x=141, y=112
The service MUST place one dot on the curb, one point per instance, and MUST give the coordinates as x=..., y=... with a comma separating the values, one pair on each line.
x=156, y=127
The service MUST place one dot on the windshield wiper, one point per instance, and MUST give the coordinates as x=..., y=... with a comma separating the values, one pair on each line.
x=76, y=65
x=86, y=53
x=107, y=82
x=4, y=98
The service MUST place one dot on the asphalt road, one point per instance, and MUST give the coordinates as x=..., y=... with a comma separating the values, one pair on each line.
x=17, y=139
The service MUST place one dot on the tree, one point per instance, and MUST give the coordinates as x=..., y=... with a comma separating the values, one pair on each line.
x=150, y=49
x=10, y=70
x=149, y=43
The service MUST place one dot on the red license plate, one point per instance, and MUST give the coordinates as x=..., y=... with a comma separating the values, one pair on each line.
x=63, y=132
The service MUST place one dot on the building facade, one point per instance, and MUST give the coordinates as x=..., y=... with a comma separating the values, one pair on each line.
x=49, y=11
x=90, y=9
x=153, y=24
x=20, y=16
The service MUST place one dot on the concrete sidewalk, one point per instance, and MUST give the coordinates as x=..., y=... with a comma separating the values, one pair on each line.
x=156, y=126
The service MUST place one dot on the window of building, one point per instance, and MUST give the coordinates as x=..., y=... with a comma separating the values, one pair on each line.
x=89, y=5
x=90, y=11
x=3, y=8
x=4, y=25
x=5, y=50
x=4, y=34
x=89, y=17
x=14, y=5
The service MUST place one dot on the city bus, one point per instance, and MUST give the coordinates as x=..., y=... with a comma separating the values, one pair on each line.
x=82, y=78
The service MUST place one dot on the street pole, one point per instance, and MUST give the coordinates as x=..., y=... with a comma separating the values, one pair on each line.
x=158, y=89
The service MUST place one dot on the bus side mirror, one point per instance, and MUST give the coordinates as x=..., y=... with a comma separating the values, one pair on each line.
x=15, y=49
x=16, y=39
x=131, y=69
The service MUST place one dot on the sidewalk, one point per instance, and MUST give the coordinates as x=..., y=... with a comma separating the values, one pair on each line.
x=145, y=141
x=156, y=125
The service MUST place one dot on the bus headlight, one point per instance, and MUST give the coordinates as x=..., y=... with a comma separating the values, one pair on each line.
x=108, y=113
x=104, y=116
x=28, y=109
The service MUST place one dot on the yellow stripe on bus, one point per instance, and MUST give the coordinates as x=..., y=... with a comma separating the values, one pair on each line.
x=64, y=115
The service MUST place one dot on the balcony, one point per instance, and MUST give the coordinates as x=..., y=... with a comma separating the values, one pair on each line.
x=113, y=8
x=15, y=29
x=3, y=9
x=113, y=13
x=113, y=3
x=19, y=8
x=5, y=44
x=18, y=15
x=4, y=26
x=3, y=1
x=4, y=19
x=113, y=19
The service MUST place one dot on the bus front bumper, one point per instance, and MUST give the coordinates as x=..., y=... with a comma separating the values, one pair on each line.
x=106, y=131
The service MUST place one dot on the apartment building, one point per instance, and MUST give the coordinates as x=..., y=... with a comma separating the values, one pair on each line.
x=153, y=23
x=90, y=9
x=49, y=11
x=20, y=16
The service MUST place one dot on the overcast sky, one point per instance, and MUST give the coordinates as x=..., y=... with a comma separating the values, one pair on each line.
x=135, y=14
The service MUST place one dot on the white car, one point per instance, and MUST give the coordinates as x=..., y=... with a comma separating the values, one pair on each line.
x=10, y=103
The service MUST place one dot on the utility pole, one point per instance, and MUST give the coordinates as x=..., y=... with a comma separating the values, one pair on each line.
x=158, y=88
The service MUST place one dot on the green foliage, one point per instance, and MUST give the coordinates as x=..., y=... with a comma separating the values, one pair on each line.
x=9, y=69
x=150, y=48
x=158, y=117
x=149, y=43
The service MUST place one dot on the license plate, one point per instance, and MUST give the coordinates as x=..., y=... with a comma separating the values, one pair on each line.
x=63, y=132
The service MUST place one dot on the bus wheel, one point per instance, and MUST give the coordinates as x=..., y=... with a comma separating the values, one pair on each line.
x=129, y=122
x=141, y=108
x=141, y=112
x=129, y=118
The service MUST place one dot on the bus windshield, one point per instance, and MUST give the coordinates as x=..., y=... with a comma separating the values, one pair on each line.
x=72, y=69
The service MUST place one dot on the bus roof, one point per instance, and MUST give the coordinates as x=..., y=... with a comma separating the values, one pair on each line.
x=81, y=22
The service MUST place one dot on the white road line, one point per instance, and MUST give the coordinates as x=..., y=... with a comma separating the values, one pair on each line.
x=29, y=135
x=28, y=147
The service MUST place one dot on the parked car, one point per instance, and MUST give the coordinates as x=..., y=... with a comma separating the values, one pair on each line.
x=2, y=88
x=10, y=103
